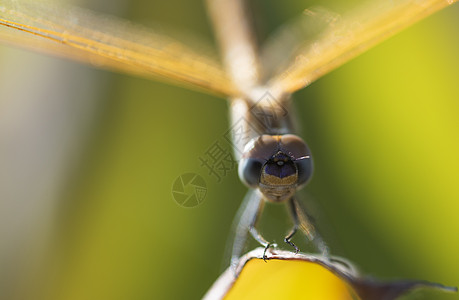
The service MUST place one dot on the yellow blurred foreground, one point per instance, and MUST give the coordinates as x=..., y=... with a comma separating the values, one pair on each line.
x=286, y=275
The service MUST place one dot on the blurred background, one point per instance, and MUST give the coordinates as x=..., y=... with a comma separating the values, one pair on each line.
x=88, y=159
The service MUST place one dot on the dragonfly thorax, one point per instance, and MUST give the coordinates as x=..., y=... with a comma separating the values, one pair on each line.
x=277, y=165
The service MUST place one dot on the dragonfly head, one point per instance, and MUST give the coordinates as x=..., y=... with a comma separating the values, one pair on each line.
x=277, y=165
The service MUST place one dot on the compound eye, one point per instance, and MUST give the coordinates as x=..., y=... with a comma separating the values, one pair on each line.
x=250, y=171
x=262, y=147
x=304, y=167
x=294, y=146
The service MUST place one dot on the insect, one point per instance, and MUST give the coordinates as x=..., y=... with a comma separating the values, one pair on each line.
x=273, y=161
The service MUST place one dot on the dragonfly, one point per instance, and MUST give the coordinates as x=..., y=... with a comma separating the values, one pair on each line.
x=258, y=82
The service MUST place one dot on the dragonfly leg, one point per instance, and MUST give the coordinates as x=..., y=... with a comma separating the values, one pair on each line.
x=259, y=238
x=294, y=215
x=254, y=231
x=306, y=226
x=246, y=222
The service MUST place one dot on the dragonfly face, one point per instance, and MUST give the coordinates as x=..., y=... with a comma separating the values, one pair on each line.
x=277, y=165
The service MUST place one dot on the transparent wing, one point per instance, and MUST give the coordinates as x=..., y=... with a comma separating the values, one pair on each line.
x=345, y=37
x=109, y=43
x=283, y=45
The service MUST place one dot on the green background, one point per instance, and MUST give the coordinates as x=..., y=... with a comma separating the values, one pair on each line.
x=384, y=131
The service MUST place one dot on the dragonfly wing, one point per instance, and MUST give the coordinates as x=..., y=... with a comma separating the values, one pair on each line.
x=283, y=44
x=348, y=36
x=110, y=43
